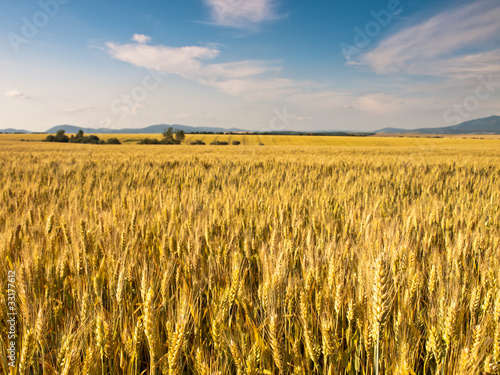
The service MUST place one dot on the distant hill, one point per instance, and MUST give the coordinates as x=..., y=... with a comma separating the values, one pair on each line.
x=13, y=131
x=482, y=126
x=154, y=129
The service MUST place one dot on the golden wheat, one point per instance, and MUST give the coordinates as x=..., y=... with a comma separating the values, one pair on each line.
x=290, y=259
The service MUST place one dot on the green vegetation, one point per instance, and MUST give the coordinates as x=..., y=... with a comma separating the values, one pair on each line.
x=113, y=141
x=59, y=137
x=80, y=138
x=170, y=137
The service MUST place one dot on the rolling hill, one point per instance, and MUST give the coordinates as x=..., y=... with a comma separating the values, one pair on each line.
x=10, y=130
x=154, y=129
x=482, y=126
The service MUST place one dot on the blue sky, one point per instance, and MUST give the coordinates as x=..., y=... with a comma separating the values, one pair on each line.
x=257, y=65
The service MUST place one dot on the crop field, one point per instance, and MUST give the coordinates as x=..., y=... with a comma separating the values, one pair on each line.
x=309, y=255
x=294, y=140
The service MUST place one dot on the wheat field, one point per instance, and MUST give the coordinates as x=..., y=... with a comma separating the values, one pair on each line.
x=366, y=258
x=381, y=140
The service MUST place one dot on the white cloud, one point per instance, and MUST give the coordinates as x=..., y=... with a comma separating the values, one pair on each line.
x=259, y=81
x=435, y=47
x=461, y=67
x=183, y=61
x=15, y=94
x=252, y=79
x=141, y=39
x=242, y=13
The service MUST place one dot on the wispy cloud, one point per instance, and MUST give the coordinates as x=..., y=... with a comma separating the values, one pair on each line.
x=466, y=66
x=15, y=94
x=438, y=46
x=252, y=79
x=261, y=81
x=183, y=61
x=242, y=13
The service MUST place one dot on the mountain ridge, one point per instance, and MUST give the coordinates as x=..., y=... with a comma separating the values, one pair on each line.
x=10, y=130
x=153, y=129
x=483, y=126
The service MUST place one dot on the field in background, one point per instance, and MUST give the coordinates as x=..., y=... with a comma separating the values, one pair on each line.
x=461, y=136
x=380, y=255
x=287, y=140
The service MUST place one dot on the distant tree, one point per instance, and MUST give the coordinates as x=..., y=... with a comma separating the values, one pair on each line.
x=81, y=138
x=236, y=143
x=78, y=138
x=92, y=139
x=197, y=142
x=113, y=141
x=148, y=141
x=179, y=136
x=61, y=137
x=168, y=136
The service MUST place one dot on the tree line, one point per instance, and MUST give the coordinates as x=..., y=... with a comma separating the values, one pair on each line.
x=61, y=137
